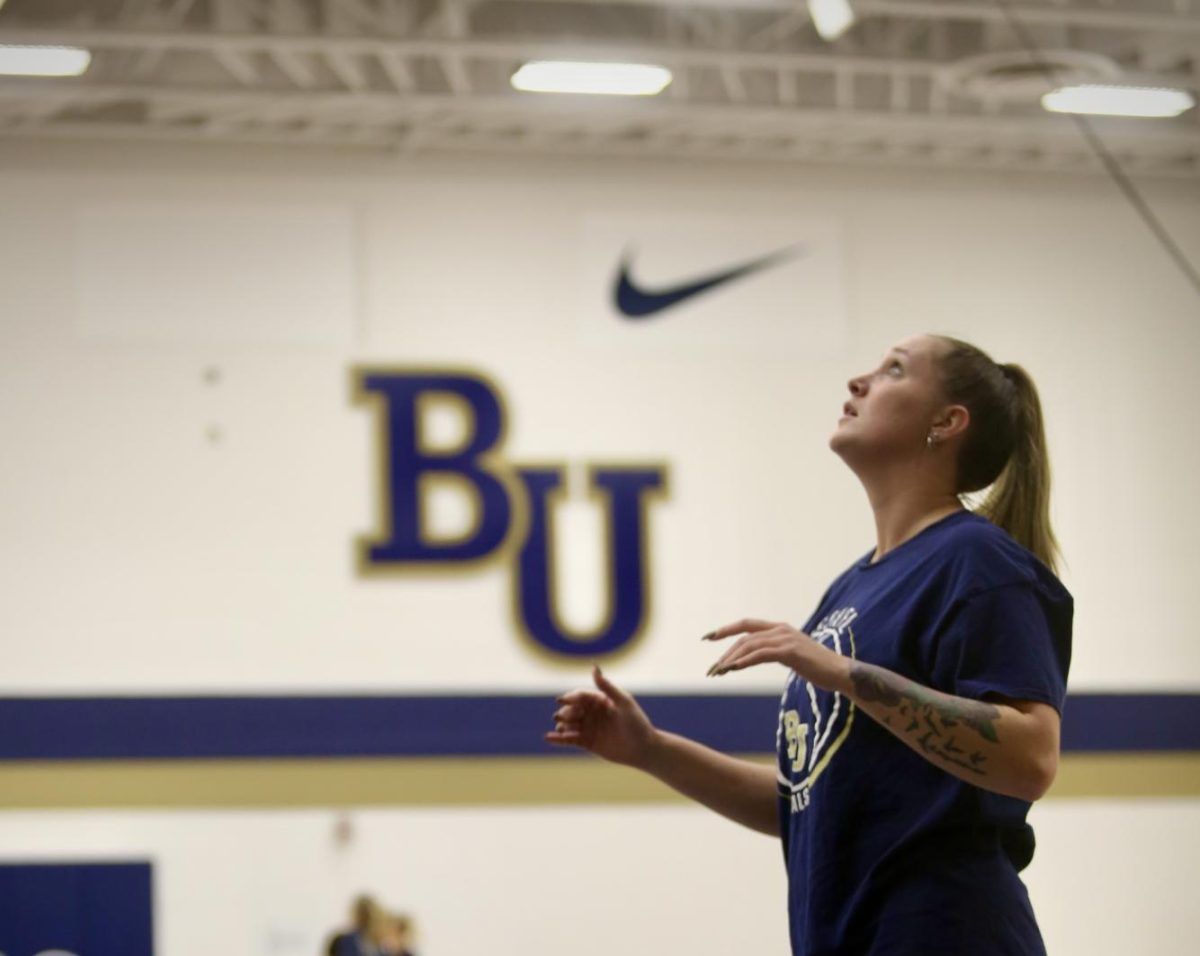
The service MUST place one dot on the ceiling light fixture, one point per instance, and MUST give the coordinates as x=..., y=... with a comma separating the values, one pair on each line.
x=1118, y=100
x=612, y=79
x=832, y=18
x=43, y=60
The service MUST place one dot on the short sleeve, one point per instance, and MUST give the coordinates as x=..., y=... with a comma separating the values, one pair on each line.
x=1011, y=639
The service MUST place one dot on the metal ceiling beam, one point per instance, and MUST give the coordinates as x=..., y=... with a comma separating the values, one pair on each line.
x=1103, y=17
x=1100, y=16
x=514, y=48
x=529, y=107
x=423, y=139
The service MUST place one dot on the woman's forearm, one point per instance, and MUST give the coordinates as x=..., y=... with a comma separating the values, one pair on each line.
x=993, y=746
x=743, y=791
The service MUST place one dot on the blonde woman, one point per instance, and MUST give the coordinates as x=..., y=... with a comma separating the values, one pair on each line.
x=397, y=936
x=921, y=714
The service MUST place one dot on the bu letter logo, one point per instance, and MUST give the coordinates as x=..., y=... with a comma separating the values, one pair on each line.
x=512, y=508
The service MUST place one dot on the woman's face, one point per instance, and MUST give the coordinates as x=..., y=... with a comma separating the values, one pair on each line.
x=892, y=407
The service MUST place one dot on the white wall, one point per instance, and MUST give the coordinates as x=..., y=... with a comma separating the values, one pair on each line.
x=193, y=564
x=140, y=555
x=1109, y=877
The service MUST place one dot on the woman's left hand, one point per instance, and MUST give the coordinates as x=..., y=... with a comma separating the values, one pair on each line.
x=770, y=641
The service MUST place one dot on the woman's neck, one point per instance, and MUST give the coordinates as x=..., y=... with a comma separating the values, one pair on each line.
x=905, y=515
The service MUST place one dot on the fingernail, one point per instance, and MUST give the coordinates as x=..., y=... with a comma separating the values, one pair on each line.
x=708, y=636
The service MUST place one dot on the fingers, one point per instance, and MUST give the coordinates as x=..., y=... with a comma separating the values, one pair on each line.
x=729, y=654
x=578, y=711
x=764, y=655
x=750, y=624
x=611, y=690
x=581, y=697
x=568, y=727
x=583, y=706
x=748, y=651
x=739, y=647
x=573, y=712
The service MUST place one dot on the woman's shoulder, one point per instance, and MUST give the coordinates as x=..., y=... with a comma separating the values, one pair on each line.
x=981, y=555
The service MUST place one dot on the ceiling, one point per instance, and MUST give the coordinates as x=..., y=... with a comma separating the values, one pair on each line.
x=913, y=82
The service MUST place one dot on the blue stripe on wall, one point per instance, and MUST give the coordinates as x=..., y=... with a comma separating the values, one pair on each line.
x=73, y=728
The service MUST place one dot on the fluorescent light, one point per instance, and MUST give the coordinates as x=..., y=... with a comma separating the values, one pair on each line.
x=832, y=18
x=1118, y=100
x=43, y=60
x=616, y=79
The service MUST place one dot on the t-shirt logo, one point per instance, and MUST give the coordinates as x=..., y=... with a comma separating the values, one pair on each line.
x=814, y=723
x=797, y=739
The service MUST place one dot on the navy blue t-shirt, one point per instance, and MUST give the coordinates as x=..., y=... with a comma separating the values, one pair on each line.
x=887, y=853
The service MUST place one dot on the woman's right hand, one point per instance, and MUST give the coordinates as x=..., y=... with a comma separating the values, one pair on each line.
x=607, y=722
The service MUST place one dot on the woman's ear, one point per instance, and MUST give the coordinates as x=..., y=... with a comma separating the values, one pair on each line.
x=953, y=421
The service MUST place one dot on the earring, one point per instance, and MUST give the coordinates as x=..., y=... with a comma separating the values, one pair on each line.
x=929, y=440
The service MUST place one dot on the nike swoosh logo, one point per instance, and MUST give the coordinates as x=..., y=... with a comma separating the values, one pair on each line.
x=638, y=303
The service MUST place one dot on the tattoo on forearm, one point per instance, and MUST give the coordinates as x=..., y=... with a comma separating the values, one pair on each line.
x=925, y=709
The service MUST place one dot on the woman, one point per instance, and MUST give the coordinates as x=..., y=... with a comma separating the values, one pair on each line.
x=922, y=708
x=367, y=918
x=396, y=936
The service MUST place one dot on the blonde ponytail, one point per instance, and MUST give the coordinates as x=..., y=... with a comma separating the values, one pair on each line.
x=1005, y=447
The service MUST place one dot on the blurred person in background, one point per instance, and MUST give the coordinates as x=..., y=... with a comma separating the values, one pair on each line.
x=396, y=936
x=368, y=921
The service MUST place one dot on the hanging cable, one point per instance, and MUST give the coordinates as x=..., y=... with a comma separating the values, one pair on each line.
x=1106, y=158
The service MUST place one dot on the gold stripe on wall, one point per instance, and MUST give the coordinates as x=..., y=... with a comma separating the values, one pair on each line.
x=458, y=781
x=1142, y=774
